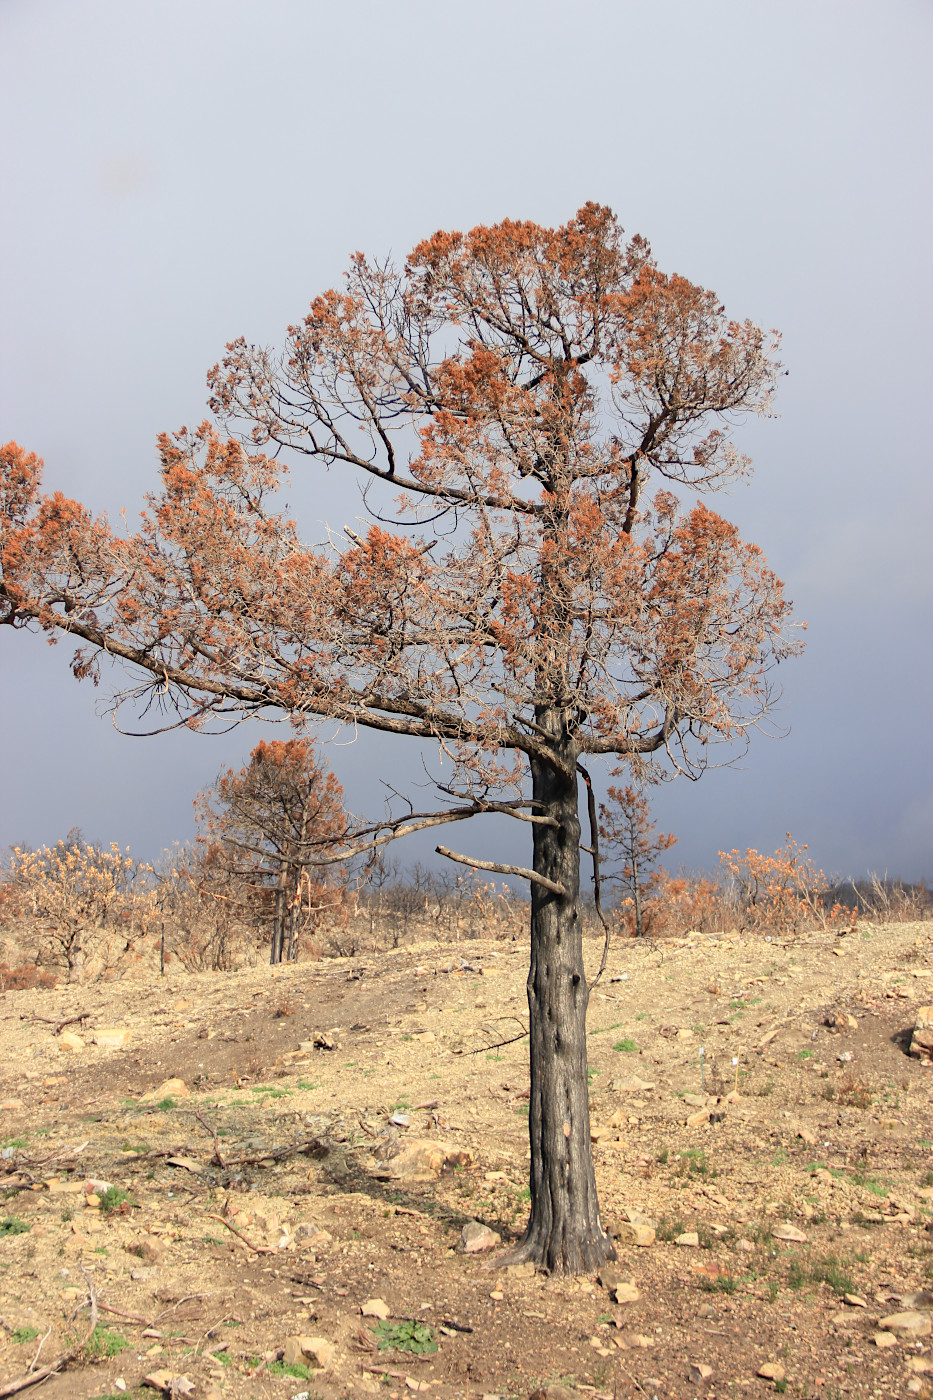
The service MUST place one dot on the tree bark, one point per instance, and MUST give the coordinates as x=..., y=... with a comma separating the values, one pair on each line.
x=564, y=1232
x=279, y=917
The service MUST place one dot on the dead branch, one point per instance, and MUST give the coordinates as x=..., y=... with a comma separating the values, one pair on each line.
x=518, y=870
x=594, y=852
x=256, y=1248
x=204, y=1124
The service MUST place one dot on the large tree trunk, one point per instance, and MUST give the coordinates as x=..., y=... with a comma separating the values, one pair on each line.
x=564, y=1233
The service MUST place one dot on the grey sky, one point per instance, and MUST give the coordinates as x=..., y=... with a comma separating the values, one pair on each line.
x=176, y=174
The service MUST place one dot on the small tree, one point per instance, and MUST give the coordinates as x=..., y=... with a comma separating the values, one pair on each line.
x=268, y=824
x=630, y=836
x=535, y=398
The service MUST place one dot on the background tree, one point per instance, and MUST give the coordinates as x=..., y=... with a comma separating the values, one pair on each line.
x=267, y=824
x=530, y=396
x=631, y=838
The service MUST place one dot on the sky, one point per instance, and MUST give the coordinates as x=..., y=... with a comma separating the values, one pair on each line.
x=178, y=174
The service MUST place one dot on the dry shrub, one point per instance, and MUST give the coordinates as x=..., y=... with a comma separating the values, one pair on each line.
x=782, y=893
x=25, y=978
x=78, y=906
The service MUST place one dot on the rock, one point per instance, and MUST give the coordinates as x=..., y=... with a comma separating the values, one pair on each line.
x=921, y=1044
x=688, y=1240
x=475, y=1237
x=148, y=1248
x=11, y=1105
x=597, y=1133
x=376, y=1307
x=142, y=1275
x=698, y=1119
x=771, y=1371
x=788, y=1232
x=526, y=1270
x=907, y=1324
x=424, y=1160
x=400, y=1120
x=695, y=1100
x=633, y=1085
x=920, y=1364
x=700, y=1372
x=745, y=1246
x=190, y=1164
x=884, y=1340
x=169, y=1383
x=111, y=1038
x=854, y=1300
x=631, y=1232
x=69, y=1041
x=684, y=1033
x=625, y=1293
x=293, y=1355
x=319, y=1351
x=168, y=1089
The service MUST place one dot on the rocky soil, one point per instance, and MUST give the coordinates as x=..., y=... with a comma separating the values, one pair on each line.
x=297, y=1214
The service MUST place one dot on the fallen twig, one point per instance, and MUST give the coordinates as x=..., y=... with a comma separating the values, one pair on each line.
x=204, y=1124
x=257, y=1248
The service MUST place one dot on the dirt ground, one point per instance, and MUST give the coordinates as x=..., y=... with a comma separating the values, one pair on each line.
x=205, y=1271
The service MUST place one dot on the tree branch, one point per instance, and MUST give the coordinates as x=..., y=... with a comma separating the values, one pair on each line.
x=518, y=870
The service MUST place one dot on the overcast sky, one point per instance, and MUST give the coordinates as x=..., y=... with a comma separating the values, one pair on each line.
x=176, y=174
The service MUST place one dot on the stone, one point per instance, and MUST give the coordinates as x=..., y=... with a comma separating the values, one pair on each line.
x=69, y=1041
x=319, y=1351
x=854, y=1300
x=625, y=1293
x=771, y=1371
x=698, y=1119
x=745, y=1246
x=921, y=1044
x=884, y=1340
x=700, y=1372
x=597, y=1133
x=788, y=1232
x=169, y=1383
x=111, y=1038
x=376, y=1307
x=11, y=1105
x=907, y=1324
x=920, y=1364
x=474, y=1238
x=628, y=1232
x=632, y=1085
x=293, y=1355
x=688, y=1240
x=148, y=1248
x=423, y=1160
x=190, y=1164
x=168, y=1089
x=695, y=1100
x=684, y=1033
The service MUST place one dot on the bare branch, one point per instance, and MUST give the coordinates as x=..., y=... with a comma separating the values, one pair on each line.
x=518, y=870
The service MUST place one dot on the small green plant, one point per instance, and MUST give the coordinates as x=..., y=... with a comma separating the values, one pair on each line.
x=805, y=1054
x=104, y=1342
x=270, y=1092
x=724, y=1284
x=305, y=1085
x=664, y=1156
x=12, y=1225
x=415, y=1337
x=66, y=1215
x=13, y=1142
x=830, y=1270
x=22, y=1335
x=627, y=1046
x=780, y=1386
x=113, y=1198
x=164, y=1105
x=289, y=1368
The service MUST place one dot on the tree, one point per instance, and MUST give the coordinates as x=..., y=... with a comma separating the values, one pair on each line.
x=534, y=398
x=267, y=823
x=629, y=833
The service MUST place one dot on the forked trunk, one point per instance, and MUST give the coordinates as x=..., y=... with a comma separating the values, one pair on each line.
x=564, y=1232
